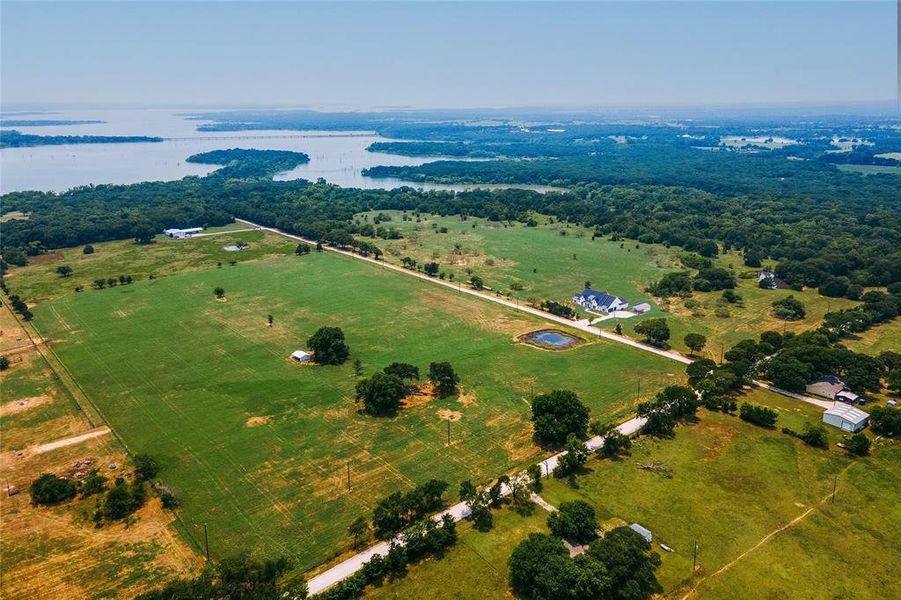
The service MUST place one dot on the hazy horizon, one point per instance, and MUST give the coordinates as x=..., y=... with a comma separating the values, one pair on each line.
x=432, y=56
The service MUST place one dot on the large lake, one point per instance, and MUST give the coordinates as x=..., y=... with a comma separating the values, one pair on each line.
x=337, y=157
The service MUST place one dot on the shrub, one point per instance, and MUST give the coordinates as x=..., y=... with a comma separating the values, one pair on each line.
x=381, y=394
x=758, y=415
x=328, y=346
x=48, y=489
x=655, y=331
x=858, y=445
x=557, y=415
x=789, y=308
x=146, y=468
x=574, y=521
x=444, y=378
x=615, y=443
x=815, y=435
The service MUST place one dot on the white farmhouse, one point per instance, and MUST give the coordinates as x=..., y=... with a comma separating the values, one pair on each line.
x=590, y=299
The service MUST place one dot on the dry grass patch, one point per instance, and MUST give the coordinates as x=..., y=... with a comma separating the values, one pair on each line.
x=449, y=415
x=257, y=421
x=18, y=406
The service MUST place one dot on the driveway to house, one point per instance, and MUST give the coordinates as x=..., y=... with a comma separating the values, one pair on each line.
x=818, y=402
x=514, y=304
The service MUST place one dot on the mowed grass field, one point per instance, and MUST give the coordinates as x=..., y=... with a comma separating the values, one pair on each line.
x=732, y=485
x=541, y=259
x=257, y=447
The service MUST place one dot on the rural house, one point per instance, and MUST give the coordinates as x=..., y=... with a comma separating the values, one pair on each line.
x=590, y=299
x=846, y=418
x=833, y=388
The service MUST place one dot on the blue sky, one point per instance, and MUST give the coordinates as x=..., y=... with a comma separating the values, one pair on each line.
x=429, y=54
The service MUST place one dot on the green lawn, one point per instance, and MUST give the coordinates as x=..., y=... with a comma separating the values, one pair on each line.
x=257, y=447
x=541, y=259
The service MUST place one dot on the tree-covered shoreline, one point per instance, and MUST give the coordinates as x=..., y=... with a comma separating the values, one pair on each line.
x=11, y=138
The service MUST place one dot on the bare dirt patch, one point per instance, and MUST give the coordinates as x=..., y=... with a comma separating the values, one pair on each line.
x=466, y=399
x=450, y=415
x=257, y=421
x=18, y=406
x=422, y=394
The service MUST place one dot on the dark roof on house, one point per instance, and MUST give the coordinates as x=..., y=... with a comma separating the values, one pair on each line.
x=829, y=379
x=602, y=298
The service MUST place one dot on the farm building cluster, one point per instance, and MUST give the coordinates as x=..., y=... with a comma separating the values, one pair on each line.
x=602, y=302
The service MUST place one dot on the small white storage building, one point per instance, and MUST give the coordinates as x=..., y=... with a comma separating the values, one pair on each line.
x=846, y=417
x=301, y=356
x=645, y=533
x=641, y=308
x=183, y=233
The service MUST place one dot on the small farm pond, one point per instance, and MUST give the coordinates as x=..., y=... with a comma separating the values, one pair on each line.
x=550, y=339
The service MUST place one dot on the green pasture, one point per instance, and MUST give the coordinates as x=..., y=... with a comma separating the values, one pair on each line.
x=551, y=261
x=732, y=485
x=39, y=281
x=257, y=447
x=541, y=260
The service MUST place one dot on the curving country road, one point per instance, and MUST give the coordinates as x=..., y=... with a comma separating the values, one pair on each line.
x=458, y=511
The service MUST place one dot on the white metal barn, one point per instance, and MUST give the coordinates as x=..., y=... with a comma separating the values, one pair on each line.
x=846, y=418
x=643, y=532
x=301, y=356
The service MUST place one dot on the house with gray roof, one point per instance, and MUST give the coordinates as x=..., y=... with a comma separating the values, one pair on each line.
x=590, y=299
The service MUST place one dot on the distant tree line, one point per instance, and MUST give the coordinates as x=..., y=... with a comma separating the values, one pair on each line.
x=11, y=138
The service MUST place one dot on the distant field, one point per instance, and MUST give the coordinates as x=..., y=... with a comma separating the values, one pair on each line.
x=257, y=447
x=57, y=552
x=541, y=260
x=870, y=169
x=732, y=485
x=39, y=281
x=878, y=339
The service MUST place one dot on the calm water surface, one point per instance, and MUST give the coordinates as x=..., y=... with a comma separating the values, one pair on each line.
x=337, y=157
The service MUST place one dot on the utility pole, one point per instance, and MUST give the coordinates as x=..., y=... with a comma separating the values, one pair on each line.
x=206, y=542
x=348, y=476
x=448, y=431
x=694, y=562
x=638, y=392
x=834, y=485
